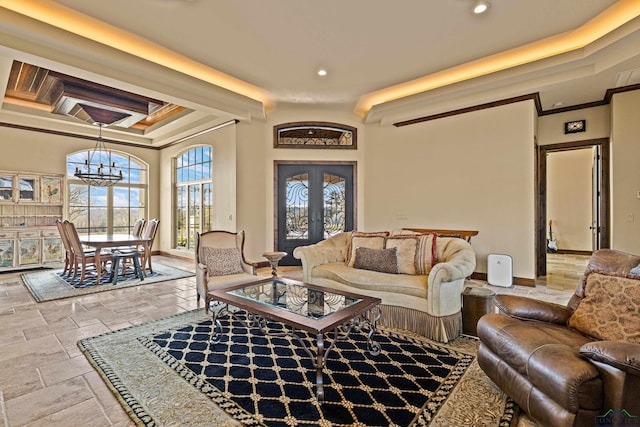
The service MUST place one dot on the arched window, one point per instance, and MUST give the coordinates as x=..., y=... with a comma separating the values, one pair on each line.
x=194, y=195
x=107, y=210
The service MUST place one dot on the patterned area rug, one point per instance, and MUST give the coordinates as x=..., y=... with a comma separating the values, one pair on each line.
x=168, y=373
x=47, y=285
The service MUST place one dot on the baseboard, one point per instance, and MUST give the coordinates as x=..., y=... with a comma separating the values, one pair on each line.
x=172, y=255
x=573, y=252
x=521, y=281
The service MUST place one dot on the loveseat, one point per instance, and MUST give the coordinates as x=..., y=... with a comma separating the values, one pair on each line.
x=574, y=365
x=422, y=295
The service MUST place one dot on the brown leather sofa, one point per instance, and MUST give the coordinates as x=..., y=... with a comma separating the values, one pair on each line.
x=556, y=373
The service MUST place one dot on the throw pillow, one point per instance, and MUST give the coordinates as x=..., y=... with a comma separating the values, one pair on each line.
x=407, y=247
x=416, y=253
x=222, y=261
x=373, y=240
x=381, y=260
x=610, y=309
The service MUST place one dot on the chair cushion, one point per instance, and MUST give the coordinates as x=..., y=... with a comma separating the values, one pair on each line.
x=222, y=261
x=610, y=309
x=382, y=260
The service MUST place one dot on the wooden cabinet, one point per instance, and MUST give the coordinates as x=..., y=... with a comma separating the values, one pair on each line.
x=30, y=204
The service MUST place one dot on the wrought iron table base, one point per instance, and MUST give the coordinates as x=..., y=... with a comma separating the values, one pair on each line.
x=367, y=320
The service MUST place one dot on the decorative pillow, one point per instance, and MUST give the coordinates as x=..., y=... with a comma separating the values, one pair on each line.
x=610, y=309
x=222, y=261
x=407, y=247
x=381, y=260
x=416, y=253
x=372, y=240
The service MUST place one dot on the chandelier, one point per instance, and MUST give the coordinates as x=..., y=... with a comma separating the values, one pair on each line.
x=99, y=170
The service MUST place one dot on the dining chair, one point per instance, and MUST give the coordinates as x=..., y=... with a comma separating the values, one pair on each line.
x=220, y=262
x=83, y=259
x=138, y=226
x=68, y=253
x=145, y=252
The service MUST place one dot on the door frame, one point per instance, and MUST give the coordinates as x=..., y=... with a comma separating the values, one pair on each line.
x=277, y=163
x=541, y=201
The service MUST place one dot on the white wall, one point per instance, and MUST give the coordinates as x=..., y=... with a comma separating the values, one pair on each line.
x=625, y=167
x=569, y=197
x=473, y=171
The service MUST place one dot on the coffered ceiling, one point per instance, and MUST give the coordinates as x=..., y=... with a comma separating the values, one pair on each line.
x=193, y=64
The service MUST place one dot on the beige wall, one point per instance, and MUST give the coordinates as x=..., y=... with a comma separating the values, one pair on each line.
x=625, y=166
x=471, y=171
x=551, y=127
x=22, y=150
x=258, y=156
x=223, y=144
x=569, y=197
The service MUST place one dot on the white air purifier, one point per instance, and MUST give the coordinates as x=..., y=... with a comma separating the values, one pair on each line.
x=500, y=270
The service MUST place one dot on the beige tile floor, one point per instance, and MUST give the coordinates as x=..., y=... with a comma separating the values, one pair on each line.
x=46, y=381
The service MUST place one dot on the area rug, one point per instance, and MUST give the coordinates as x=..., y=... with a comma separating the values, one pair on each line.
x=167, y=372
x=47, y=285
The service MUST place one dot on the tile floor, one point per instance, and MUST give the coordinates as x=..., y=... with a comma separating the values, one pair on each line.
x=46, y=381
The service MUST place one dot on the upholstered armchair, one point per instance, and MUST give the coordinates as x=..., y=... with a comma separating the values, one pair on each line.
x=574, y=365
x=220, y=262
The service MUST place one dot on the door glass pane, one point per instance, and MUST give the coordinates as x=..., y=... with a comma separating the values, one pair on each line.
x=334, y=205
x=297, y=208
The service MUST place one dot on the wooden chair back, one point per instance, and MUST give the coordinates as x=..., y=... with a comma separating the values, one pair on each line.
x=138, y=226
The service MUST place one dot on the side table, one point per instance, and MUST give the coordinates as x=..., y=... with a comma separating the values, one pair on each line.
x=274, y=258
x=476, y=302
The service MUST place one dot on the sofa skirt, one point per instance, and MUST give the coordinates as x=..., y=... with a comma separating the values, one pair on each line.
x=441, y=329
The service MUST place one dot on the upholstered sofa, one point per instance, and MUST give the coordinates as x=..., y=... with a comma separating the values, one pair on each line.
x=423, y=295
x=574, y=365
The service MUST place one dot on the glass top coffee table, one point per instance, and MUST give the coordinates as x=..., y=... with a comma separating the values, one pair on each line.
x=315, y=309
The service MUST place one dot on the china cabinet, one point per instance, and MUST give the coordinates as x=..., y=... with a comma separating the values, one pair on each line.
x=30, y=204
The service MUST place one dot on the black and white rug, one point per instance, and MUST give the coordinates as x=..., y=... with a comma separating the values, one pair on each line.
x=168, y=372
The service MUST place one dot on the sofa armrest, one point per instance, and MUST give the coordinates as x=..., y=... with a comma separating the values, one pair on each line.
x=333, y=249
x=250, y=267
x=619, y=354
x=529, y=309
x=457, y=260
x=202, y=273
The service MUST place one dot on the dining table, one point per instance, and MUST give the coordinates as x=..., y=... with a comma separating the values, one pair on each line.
x=100, y=241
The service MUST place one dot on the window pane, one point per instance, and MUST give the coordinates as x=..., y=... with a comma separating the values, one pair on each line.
x=120, y=197
x=106, y=209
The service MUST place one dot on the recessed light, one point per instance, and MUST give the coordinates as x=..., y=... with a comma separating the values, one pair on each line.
x=480, y=7
x=322, y=72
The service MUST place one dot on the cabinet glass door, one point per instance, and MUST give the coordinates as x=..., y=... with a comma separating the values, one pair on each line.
x=6, y=188
x=7, y=252
x=27, y=189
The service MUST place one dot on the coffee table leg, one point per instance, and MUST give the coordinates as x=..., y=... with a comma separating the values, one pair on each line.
x=319, y=367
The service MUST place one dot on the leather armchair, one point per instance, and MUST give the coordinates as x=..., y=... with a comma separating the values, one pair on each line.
x=556, y=374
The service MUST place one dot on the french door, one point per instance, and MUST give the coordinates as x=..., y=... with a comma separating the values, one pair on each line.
x=313, y=202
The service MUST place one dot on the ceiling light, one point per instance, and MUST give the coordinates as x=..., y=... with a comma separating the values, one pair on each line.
x=480, y=7
x=95, y=172
x=322, y=72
